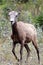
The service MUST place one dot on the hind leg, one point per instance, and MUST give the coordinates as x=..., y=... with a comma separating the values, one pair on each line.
x=37, y=50
x=28, y=51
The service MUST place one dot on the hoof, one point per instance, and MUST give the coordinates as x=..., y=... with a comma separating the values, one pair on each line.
x=18, y=60
x=26, y=61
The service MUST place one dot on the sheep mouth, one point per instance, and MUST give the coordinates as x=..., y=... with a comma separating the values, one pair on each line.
x=12, y=22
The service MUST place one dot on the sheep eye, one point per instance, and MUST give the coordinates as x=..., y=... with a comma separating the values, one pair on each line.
x=16, y=15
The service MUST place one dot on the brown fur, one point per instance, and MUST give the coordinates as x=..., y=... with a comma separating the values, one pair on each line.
x=24, y=33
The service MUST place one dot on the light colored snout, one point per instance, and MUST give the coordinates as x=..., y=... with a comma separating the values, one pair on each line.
x=12, y=18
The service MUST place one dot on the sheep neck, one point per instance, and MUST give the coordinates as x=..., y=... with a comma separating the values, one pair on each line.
x=14, y=28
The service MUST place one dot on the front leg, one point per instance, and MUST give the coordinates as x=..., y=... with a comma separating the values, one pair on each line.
x=13, y=50
x=21, y=50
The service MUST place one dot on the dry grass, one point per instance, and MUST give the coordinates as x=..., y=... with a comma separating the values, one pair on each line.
x=7, y=58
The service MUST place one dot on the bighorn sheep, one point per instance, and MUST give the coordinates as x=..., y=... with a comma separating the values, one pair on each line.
x=22, y=33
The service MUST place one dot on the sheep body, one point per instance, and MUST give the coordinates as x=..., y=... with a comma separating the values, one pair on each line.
x=26, y=31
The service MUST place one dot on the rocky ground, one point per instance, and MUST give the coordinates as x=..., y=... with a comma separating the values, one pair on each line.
x=7, y=58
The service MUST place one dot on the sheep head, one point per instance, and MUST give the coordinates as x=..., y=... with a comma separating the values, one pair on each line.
x=13, y=15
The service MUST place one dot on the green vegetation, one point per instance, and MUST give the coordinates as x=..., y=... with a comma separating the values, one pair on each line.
x=38, y=20
x=34, y=7
x=31, y=12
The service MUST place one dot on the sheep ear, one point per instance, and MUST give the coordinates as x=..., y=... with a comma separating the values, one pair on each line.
x=16, y=13
x=9, y=13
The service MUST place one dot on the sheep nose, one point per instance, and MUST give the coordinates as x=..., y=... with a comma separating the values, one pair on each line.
x=11, y=21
